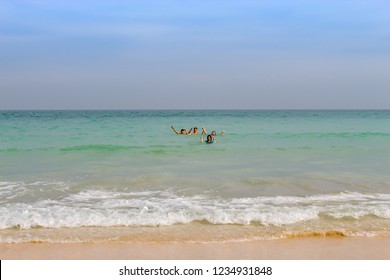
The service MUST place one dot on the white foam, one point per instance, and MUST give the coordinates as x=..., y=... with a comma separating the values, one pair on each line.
x=159, y=208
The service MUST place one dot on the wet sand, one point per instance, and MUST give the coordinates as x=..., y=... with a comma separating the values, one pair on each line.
x=320, y=248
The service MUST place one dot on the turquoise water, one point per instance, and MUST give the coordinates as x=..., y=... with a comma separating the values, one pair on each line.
x=277, y=173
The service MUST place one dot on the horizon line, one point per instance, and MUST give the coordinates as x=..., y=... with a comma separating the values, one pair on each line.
x=211, y=109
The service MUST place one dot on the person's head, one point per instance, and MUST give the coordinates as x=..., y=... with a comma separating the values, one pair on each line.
x=195, y=130
x=213, y=133
x=209, y=138
x=183, y=131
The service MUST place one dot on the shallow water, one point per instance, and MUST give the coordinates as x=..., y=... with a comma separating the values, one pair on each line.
x=274, y=174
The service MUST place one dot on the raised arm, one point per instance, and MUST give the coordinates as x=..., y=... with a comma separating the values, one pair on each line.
x=204, y=130
x=174, y=129
x=189, y=132
x=223, y=132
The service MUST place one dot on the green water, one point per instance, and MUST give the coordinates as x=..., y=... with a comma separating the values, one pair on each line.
x=128, y=168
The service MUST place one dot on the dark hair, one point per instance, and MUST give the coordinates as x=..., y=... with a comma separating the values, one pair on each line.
x=195, y=128
x=207, y=138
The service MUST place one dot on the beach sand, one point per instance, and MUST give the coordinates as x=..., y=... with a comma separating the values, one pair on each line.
x=317, y=248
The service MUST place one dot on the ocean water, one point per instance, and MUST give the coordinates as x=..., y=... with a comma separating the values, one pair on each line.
x=81, y=176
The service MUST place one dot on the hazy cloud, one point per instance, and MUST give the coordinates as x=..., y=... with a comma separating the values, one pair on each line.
x=197, y=54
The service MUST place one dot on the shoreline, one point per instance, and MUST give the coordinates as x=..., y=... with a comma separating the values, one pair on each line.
x=308, y=248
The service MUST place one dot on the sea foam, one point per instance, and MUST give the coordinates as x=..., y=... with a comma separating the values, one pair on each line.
x=167, y=207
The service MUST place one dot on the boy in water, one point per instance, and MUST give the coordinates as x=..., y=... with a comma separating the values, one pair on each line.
x=193, y=132
x=183, y=131
x=213, y=133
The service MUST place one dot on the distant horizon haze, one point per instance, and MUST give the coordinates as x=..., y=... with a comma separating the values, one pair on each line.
x=195, y=54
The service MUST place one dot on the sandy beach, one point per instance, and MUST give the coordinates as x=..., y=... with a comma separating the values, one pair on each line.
x=324, y=248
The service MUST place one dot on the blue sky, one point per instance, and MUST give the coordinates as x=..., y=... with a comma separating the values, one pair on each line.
x=203, y=54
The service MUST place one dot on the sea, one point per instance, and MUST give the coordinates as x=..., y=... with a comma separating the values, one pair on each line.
x=125, y=176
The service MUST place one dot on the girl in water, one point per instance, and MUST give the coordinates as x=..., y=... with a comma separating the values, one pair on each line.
x=209, y=139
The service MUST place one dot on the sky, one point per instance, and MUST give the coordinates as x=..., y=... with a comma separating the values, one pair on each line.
x=203, y=54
